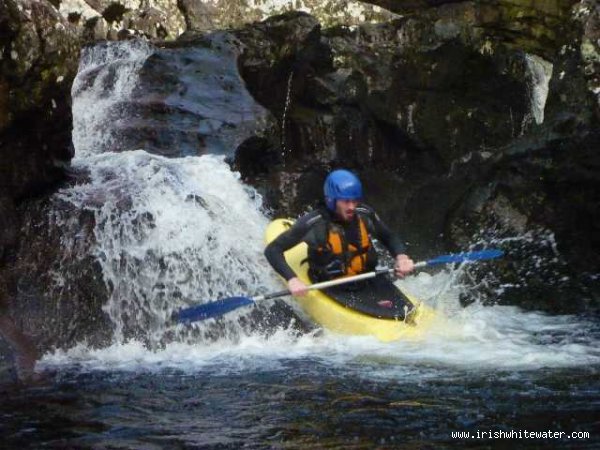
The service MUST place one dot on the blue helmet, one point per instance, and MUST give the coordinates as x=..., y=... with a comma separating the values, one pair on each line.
x=341, y=185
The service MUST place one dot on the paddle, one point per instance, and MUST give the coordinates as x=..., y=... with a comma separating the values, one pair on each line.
x=220, y=307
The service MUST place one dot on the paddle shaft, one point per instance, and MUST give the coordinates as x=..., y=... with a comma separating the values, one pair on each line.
x=223, y=306
x=336, y=282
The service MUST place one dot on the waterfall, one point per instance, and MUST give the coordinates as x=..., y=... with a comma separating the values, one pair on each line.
x=540, y=73
x=172, y=101
x=106, y=79
x=168, y=231
x=288, y=99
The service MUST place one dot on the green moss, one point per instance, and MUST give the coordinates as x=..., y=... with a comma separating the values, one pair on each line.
x=589, y=52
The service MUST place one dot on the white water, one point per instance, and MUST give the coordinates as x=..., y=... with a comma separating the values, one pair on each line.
x=106, y=78
x=540, y=74
x=214, y=248
x=173, y=231
x=474, y=338
x=169, y=232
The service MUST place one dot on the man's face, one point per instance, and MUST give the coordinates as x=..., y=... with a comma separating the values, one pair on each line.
x=346, y=209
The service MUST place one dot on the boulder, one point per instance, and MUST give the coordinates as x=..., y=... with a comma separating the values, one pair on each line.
x=173, y=99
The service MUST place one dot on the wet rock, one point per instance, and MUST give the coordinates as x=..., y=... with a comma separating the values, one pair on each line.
x=53, y=286
x=280, y=47
x=351, y=94
x=439, y=89
x=177, y=99
x=8, y=226
x=6, y=363
x=39, y=61
x=23, y=350
x=540, y=208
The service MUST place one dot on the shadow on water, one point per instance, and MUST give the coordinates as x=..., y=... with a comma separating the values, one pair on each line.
x=303, y=403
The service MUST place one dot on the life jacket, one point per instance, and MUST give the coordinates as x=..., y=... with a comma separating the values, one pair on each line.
x=335, y=257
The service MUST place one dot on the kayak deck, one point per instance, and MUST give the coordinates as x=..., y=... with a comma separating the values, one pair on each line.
x=377, y=297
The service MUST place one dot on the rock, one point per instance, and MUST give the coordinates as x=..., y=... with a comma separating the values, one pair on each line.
x=22, y=349
x=277, y=48
x=7, y=372
x=168, y=19
x=199, y=16
x=588, y=14
x=540, y=208
x=40, y=60
x=40, y=52
x=103, y=19
x=349, y=77
x=9, y=226
x=53, y=286
x=178, y=99
x=210, y=15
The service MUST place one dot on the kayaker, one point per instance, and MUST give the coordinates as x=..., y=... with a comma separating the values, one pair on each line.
x=339, y=237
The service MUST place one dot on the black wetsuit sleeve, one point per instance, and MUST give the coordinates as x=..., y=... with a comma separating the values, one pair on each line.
x=287, y=240
x=382, y=232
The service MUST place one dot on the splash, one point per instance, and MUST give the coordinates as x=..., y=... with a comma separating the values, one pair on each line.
x=211, y=246
x=472, y=338
x=532, y=265
x=169, y=232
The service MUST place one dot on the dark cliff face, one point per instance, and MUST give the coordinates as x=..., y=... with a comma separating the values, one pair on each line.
x=462, y=119
x=39, y=61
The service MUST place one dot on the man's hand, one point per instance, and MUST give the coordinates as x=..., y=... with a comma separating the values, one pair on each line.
x=404, y=265
x=297, y=287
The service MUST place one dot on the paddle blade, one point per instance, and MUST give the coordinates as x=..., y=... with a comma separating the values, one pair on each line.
x=463, y=257
x=212, y=309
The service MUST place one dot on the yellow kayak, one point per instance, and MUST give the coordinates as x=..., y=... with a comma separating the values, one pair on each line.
x=336, y=316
